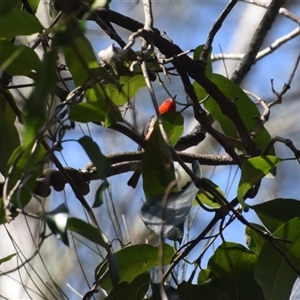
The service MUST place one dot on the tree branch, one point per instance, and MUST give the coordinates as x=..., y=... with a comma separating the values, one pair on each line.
x=216, y=27
x=265, y=25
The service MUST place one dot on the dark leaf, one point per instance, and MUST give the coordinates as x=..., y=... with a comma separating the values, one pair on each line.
x=233, y=265
x=253, y=170
x=34, y=114
x=3, y=212
x=275, y=213
x=190, y=291
x=7, y=258
x=24, y=164
x=8, y=5
x=101, y=162
x=254, y=240
x=131, y=291
x=133, y=261
x=17, y=60
x=157, y=165
x=17, y=22
x=272, y=272
x=88, y=231
x=57, y=222
x=8, y=132
x=113, y=268
x=99, y=194
x=170, y=292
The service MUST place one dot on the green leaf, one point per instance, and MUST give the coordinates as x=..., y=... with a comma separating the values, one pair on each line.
x=171, y=212
x=173, y=125
x=78, y=52
x=254, y=240
x=130, y=86
x=87, y=230
x=253, y=170
x=101, y=162
x=3, y=212
x=196, y=56
x=98, y=108
x=170, y=292
x=17, y=22
x=34, y=4
x=9, y=136
x=131, y=291
x=206, y=198
x=7, y=258
x=272, y=272
x=204, y=276
x=86, y=112
x=24, y=164
x=99, y=194
x=157, y=165
x=275, y=213
x=34, y=114
x=233, y=265
x=246, y=109
x=109, y=112
x=57, y=221
x=189, y=291
x=133, y=261
x=84, y=67
x=113, y=268
x=17, y=60
x=8, y=5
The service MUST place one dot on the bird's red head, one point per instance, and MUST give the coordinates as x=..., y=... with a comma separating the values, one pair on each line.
x=167, y=105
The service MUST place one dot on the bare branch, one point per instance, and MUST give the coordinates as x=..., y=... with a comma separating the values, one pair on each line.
x=287, y=85
x=265, y=25
x=216, y=27
x=283, y=11
x=261, y=54
x=148, y=14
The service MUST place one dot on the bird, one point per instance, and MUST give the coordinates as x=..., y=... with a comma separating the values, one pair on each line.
x=168, y=105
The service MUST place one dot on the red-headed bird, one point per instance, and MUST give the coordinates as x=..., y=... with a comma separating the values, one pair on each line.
x=167, y=105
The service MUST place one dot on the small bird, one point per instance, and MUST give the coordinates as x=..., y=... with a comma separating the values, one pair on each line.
x=166, y=106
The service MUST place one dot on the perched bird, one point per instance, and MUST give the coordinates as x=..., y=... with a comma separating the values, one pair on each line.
x=167, y=105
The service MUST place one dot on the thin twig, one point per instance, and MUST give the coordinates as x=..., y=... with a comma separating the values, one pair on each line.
x=277, y=43
x=263, y=53
x=287, y=142
x=265, y=115
x=216, y=27
x=108, y=29
x=283, y=11
x=287, y=85
x=148, y=14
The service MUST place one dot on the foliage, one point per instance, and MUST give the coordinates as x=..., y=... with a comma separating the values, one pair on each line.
x=98, y=94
